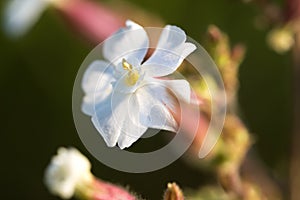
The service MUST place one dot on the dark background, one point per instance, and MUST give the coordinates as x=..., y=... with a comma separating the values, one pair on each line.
x=37, y=73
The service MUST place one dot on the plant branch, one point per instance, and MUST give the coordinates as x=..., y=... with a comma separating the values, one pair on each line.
x=295, y=157
x=292, y=15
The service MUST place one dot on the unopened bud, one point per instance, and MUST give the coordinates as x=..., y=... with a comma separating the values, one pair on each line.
x=281, y=39
x=173, y=192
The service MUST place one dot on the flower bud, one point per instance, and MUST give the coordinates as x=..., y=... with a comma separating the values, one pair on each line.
x=173, y=192
x=281, y=39
x=69, y=175
x=67, y=171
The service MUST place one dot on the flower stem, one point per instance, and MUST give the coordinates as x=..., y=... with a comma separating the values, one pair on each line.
x=295, y=159
x=94, y=21
x=292, y=14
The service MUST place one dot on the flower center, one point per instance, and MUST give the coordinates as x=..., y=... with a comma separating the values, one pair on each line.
x=132, y=76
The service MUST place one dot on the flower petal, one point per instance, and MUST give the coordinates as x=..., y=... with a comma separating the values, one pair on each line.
x=96, y=84
x=129, y=42
x=132, y=128
x=180, y=88
x=21, y=15
x=67, y=169
x=117, y=120
x=169, y=53
x=155, y=104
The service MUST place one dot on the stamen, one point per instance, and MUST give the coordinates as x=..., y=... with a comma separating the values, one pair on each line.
x=126, y=65
x=132, y=76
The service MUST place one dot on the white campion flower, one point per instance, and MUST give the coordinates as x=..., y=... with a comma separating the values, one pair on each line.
x=68, y=170
x=124, y=95
x=21, y=15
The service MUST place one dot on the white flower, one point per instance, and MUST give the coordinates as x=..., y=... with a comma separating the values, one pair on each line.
x=124, y=94
x=68, y=170
x=21, y=15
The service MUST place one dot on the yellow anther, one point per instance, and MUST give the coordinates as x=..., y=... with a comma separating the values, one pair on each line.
x=132, y=76
x=126, y=65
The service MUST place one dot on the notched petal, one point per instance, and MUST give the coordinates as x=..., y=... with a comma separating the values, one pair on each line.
x=171, y=50
x=129, y=42
x=179, y=88
x=96, y=84
x=156, y=103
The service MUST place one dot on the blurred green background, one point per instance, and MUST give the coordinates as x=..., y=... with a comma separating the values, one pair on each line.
x=36, y=79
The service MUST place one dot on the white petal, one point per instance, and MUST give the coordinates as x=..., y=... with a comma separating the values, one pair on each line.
x=180, y=88
x=132, y=129
x=96, y=84
x=103, y=122
x=21, y=15
x=117, y=120
x=67, y=169
x=95, y=72
x=65, y=190
x=169, y=53
x=129, y=42
x=155, y=104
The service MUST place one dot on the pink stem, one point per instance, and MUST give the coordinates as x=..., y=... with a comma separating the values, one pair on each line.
x=94, y=21
x=191, y=121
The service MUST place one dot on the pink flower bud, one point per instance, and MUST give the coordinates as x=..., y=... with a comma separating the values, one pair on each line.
x=108, y=191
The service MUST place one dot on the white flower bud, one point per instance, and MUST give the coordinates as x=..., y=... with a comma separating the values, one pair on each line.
x=68, y=170
x=281, y=39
